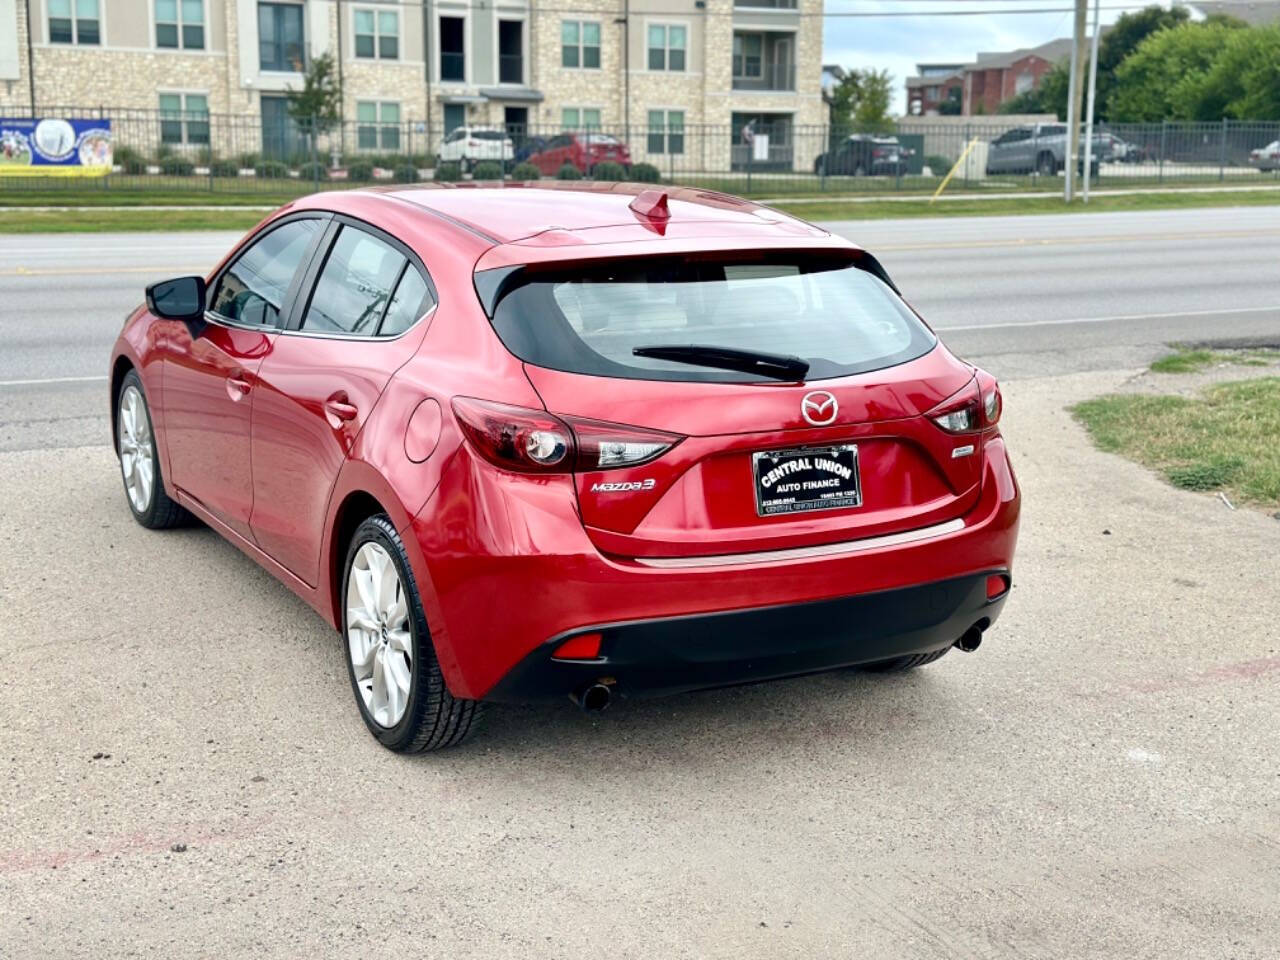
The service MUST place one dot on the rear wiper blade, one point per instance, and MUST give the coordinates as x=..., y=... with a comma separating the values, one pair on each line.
x=779, y=366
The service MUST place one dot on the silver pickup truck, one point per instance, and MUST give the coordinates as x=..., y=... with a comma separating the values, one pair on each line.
x=1041, y=148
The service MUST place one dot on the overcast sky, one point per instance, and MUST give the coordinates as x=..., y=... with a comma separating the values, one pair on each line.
x=899, y=43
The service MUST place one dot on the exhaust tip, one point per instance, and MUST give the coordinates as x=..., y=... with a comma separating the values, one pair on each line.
x=971, y=640
x=594, y=698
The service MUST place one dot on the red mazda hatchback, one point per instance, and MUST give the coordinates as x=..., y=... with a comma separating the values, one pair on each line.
x=593, y=441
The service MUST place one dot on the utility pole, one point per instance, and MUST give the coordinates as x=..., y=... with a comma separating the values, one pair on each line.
x=1093, y=91
x=1076, y=89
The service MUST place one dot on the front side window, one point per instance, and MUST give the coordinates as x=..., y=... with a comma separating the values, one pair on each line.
x=377, y=125
x=180, y=24
x=75, y=21
x=355, y=287
x=184, y=118
x=666, y=131
x=580, y=44
x=253, y=289
x=838, y=317
x=667, y=46
x=280, y=37
x=377, y=34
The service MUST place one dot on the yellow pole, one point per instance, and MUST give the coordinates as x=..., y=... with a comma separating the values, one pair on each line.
x=952, y=172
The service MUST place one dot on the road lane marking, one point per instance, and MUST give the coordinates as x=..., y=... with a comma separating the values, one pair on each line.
x=1115, y=319
x=47, y=380
x=1030, y=242
x=95, y=271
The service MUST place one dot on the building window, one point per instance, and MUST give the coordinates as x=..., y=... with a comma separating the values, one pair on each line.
x=82, y=28
x=666, y=131
x=511, y=51
x=453, y=61
x=1024, y=82
x=580, y=118
x=580, y=44
x=180, y=23
x=377, y=125
x=184, y=118
x=666, y=46
x=377, y=34
x=931, y=93
x=280, y=37
x=748, y=55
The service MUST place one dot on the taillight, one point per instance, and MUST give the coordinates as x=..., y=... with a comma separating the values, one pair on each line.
x=534, y=441
x=515, y=438
x=972, y=414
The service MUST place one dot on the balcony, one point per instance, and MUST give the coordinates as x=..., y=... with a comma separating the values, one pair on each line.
x=767, y=76
x=767, y=4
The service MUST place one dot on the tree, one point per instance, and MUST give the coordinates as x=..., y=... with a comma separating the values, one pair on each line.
x=317, y=107
x=860, y=102
x=1048, y=96
x=952, y=106
x=1120, y=41
x=1244, y=81
x=1165, y=78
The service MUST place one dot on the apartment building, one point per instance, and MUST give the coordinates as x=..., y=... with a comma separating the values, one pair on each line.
x=652, y=69
x=934, y=87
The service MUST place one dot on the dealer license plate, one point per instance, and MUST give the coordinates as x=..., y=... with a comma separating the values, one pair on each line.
x=808, y=478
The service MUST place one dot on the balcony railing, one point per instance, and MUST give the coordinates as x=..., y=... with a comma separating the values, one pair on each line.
x=453, y=66
x=772, y=76
x=510, y=68
x=767, y=4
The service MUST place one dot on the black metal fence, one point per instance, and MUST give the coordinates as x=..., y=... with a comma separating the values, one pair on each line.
x=763, y=156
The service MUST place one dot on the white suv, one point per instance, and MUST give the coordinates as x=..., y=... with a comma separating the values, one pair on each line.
x=469, y=145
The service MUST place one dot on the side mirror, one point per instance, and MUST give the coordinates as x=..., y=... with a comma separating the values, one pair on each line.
x=179, y=299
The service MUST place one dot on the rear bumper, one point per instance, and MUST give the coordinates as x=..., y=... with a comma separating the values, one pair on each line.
x=673, y=655
x=507, y=572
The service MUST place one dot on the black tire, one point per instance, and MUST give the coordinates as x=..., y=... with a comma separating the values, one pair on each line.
x=162, y=512
x=1046, y=166
x=899, y=664
x=434, y=718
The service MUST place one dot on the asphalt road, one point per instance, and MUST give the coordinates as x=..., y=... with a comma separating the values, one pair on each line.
x=183, y=772
x=1024, y=296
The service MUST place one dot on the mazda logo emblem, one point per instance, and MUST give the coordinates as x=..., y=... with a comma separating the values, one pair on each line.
x=819, y=408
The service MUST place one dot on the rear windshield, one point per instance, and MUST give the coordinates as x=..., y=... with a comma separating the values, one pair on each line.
x=838, y=317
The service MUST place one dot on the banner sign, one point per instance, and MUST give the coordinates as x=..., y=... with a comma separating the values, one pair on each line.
x=55, y=147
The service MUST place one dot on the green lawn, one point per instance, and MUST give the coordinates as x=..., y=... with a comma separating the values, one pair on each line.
x=1225, y=438
x=1193, y=360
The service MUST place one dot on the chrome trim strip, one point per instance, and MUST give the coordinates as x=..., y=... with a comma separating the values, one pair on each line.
x=805, y=553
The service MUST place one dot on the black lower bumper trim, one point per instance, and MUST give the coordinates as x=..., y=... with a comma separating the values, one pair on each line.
x=657, y=657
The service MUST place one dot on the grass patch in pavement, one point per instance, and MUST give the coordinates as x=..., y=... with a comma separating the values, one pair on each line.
x=1193, y=360
x=1225, y=438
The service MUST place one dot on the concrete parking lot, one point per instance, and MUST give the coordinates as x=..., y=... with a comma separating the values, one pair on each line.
x=185, y=773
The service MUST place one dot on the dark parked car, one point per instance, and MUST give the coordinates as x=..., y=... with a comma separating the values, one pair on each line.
x=582, y=150
x=861, y=154
x=530, y=146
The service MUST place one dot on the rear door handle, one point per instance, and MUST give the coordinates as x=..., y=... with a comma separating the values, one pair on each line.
x=237, y=386
x=338, y=410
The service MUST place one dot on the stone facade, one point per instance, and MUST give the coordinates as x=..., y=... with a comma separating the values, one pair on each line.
x=125, y=74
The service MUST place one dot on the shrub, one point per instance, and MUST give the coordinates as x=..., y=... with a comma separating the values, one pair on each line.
x=224, y=168
x=271, y=170
x=407, y=173
x=608, y=171
x=645, y=173
x=449, y=172
x=315, y=170
x=177, y=167
x=568, y=172
x=525, y=171
x=248, y=161
x=130, y=160
x=938, y=164
x=360, y=172
x=487, y=170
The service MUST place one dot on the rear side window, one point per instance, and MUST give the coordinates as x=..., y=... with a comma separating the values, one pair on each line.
x=252, y=290
x=488, y=135
x=411, y=300
x=355, y=285
x=838, y=317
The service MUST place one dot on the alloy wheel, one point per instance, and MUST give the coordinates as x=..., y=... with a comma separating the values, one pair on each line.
x=378, y=638
x=137, y=449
